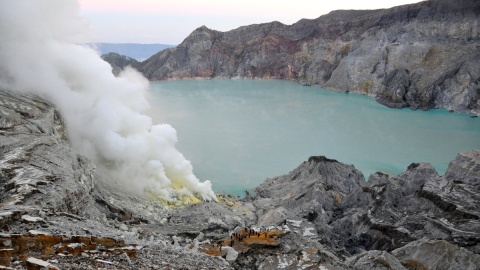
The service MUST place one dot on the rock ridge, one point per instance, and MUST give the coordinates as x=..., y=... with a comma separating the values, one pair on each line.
x=421, y=56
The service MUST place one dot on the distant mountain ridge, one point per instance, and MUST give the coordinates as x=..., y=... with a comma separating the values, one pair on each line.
x=137, y=51
x=421, y=56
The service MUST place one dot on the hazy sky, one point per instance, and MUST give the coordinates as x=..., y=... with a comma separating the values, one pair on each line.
x=171, y=21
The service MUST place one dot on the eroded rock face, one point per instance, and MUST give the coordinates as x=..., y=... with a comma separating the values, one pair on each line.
x=351, y=216
x=312, y=191
x=38, y=166
x=421, y=56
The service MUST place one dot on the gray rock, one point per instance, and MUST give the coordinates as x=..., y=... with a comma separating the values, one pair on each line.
x=36, y=154
x=384, y=213
x=313, y=192
x=390, y=213
x=30, y=219
x=123, y=227
x=434, y=254
x=465, y=169
x=231, y=255
x=375, y=260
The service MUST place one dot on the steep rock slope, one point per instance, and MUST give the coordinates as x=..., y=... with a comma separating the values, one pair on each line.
x=38, y=166
x=421, y=56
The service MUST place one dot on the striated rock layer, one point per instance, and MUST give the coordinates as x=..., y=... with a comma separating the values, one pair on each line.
x=420, y=56
x=55, y=214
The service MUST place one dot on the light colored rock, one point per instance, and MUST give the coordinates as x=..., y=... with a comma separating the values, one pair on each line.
x=231, y=255
x=123, y=227
x=34, y=262
x=30, y=219
x=36, y=232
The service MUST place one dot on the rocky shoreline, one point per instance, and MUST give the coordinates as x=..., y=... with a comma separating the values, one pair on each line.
x=420, y=56
x=56, y=213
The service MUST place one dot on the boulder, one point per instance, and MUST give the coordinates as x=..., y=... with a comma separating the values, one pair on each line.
x=436, y=254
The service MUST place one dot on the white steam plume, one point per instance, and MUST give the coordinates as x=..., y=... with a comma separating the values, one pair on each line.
x=41, y=53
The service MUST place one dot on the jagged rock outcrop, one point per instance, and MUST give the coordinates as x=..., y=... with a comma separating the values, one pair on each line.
x=421, y=56
x=352, y=216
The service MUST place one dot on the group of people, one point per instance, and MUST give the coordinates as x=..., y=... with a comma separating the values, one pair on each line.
x=240, y=235
x=247, y=233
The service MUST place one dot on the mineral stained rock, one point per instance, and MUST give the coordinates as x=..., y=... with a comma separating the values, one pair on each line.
x=420, y=56
x=55, y=213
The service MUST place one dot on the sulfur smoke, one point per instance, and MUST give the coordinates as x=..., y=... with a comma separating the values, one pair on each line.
x=43, y=51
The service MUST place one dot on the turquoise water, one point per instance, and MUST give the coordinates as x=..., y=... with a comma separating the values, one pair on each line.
x=237, y=133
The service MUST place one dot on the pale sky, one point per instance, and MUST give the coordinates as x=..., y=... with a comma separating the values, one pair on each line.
x=171, y=21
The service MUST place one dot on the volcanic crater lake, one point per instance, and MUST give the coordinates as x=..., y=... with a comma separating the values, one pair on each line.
x=237, y=133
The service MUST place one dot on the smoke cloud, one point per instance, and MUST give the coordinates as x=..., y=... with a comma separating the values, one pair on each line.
x=43, y=51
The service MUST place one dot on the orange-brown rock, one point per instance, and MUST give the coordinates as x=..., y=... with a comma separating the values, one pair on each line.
x=6, y=256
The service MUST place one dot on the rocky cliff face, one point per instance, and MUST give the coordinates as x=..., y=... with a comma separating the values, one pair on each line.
x=55, y=213
x=421, y=56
